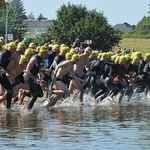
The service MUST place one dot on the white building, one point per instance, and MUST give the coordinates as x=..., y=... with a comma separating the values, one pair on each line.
x=37, y=26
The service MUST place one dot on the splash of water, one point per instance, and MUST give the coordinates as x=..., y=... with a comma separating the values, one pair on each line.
x=136, y=99
x=73, y=101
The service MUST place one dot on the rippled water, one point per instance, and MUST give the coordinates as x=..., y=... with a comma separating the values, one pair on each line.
x=73, y=127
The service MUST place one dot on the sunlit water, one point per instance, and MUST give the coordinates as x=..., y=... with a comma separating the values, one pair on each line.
x=69, y=126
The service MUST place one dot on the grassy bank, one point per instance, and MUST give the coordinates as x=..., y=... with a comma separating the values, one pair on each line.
x=142, y=45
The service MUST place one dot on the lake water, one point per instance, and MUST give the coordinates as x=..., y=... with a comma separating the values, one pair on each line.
x=66, y=127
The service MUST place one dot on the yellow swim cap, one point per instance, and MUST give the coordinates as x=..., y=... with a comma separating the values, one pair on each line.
x=147, y=55
x=68, y=56
x=1, y=43
x=55, y=47
x=32, y=45
x=23, y=59
x=43, y=49
x=63, y=45
x=75, y=57
x=138, y=54
x=135, y=59
x=113, y=57
x=128, y=57
x=93, y=53
x=5, y=46
x=104, y=55
x=12, y=45
x=37, y=49
x=29, y=51
x=21, y=45
x=122, y=59
x=73, y=51
x=64, y=49
x=109, y=54
x=99, y=56
x=96, y=52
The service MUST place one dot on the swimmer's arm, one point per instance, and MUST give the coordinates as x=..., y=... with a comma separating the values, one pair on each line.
x=75, y=77
x=60, y=66
x=56, y=69
x=90, y=72
x=31, y=63
x=87, y=68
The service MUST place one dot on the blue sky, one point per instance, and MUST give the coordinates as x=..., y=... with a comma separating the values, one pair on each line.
x=116, y=11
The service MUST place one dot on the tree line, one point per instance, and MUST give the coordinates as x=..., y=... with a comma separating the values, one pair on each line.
x=72, y=22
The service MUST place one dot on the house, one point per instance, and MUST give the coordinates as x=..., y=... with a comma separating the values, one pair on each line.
x=37, y=26
x=124, y=27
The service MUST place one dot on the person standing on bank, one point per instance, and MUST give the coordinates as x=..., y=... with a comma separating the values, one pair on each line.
x=36, y=63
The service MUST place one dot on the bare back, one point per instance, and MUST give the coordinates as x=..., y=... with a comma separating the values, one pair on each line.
x=82, y=63
x=14, y=62
x=64, y=68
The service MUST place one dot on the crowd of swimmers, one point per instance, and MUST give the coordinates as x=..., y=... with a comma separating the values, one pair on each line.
x=54, y=72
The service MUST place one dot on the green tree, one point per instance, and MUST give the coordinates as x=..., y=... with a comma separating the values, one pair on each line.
x=75, y=21
x=16, y=17
x=143, y=26
x=2, y=21
x=2, y=3
x=16, y=21
x=44, y=37
x=41, y=17
x=2, y=17
x=31, y=16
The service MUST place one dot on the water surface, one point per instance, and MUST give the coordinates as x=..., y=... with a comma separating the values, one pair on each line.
x=74, y=127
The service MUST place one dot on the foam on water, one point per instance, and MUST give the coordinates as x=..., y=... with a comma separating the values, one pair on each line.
x=73, y=101
x=136, y=99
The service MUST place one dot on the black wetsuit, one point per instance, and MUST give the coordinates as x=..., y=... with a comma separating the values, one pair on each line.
x=94, y=66
x=146, y=71
x=46, y=77
x=34, y=89
x=5, y=56
x=58, y=59
x=117, y=83
x=19, y=79
x=102, y=73
x=141, y=85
